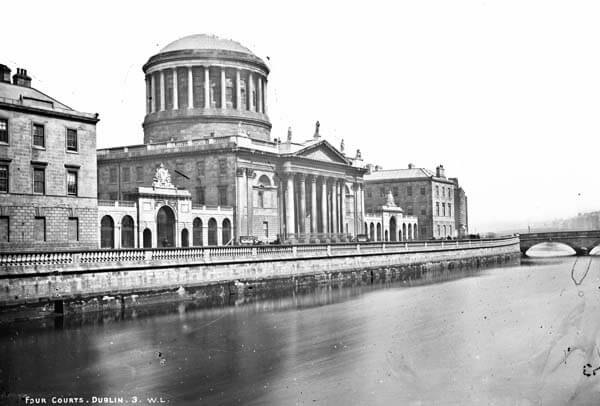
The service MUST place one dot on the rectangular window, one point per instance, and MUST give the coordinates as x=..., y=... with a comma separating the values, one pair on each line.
x=444, y=209
x=3, y=130
x=139, y=173
x=39, y=180
x=72, y=183
x=3, y=178
x=381, y=192
x=443, y=192
x=409, y=190
x=4, y=229
x=113, y=196
x=39, y=229
x=222, y=195
x=200, y=168
x=126, y=174
x=395, y=190
x=112, y=175
x=200, y=195
x=422, y=191
x=38, y=135
x=73, y=229
x=437, y=208
x=261, y=199
x=71, y=140
x=449, y=210
x=369, y=194
x=266, y=229
x=423, y=212
x=409, y=211
x=222, y=167
x=437, y=191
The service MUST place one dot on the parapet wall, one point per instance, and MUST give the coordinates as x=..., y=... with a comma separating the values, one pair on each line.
x=44, y=278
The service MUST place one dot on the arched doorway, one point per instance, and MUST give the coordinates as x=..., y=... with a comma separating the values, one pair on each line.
x=107, y=232
x=226, y=231
x=212, y=232
x=127, y=232
x=393, y=229
x=378, y=231
x=147, y=238
x=445, y=232
x=399, y=234
x=165, y=222
x=372, y=232
x=386, y=236
x=197, y=232
x=415, y=232
x=410, y=234
x=404, y=237
x=185, y=238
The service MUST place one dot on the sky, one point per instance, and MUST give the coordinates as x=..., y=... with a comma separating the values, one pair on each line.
x=505, y=94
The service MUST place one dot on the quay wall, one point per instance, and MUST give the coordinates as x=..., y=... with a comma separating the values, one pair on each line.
x=39, y=279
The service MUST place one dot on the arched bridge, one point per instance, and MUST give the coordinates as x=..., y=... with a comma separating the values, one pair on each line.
x=581, y=241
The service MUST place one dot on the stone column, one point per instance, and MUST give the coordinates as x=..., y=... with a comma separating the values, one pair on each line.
x=289, y=205
x=153, y=93
x=238, y=90
x=162, y=90
x=206, y=87
x=313, y=204
x=259, y=107
x=223, y=89
x=324, y=221
x=302, y=205
x=190, y=88
x=361, y=191
x=334, y=205
x=342, y=206
x=175, y=91
x=241, y=200
x=148, y=107
x=205, y=232
x=250, y=89
x=265, y=96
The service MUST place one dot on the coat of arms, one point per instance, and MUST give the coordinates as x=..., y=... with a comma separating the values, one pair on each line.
x=162, y=178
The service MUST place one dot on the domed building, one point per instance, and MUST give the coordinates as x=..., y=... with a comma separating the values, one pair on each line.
x=202, y=86
x=209, y=173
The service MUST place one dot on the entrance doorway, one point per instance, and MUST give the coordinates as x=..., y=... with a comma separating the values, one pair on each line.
x=165, y=221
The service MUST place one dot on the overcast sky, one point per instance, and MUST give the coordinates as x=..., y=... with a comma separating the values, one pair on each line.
x=505, y=94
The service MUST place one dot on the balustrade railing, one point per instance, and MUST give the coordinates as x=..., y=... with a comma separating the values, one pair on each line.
x=212, y=254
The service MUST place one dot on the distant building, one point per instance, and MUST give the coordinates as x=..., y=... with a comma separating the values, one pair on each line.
x=206, y=123
x=461, y=210
x=388, y=223
x=48, y=197
x=429, y=196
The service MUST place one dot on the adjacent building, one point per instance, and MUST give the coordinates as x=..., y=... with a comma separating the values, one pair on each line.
x=431, y=197
x=47, y=170
x=207, y=125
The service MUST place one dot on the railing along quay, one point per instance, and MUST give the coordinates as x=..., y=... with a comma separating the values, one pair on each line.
x=97, y=259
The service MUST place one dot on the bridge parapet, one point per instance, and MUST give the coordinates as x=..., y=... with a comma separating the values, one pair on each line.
x=581, y=241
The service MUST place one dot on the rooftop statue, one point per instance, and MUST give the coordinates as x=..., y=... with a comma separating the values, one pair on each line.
x=358, y=154
x=162, y=178
x=289, y=136
x=317, y=125
x=390, y=200
x=342, y=145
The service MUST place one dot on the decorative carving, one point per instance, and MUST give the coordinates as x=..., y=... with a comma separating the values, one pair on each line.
x=239, y=172
x=162, y=179
x=390, y=200
x=250, y=173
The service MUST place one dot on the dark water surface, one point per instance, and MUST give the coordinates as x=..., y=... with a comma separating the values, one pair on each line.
x=508, y=335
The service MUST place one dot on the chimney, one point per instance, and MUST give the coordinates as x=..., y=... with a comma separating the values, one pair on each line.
x=21, y=79
x=411, y=166
x=369, y=168
x=4, y=73
x=440, y=172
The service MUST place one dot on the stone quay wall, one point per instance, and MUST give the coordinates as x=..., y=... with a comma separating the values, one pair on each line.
x=44, y=278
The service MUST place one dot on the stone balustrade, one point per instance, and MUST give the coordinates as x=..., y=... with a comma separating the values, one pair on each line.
x=43, y=262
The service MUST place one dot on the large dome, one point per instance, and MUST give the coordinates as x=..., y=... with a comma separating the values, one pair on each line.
x=204, y=41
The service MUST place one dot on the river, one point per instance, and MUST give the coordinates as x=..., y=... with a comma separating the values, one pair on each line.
x=516, y=334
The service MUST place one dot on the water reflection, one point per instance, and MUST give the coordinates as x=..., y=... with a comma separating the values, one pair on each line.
x=492, y=336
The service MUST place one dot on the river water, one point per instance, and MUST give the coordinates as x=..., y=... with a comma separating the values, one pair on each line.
x=514, y=335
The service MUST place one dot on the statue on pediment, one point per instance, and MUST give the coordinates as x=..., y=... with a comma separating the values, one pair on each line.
x=317, y=126
x=162, y=178
x=342, y=146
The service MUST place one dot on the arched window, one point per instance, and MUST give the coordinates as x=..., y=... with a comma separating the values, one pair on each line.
x=415, y=232
x=393, y=228
x=147, y=238
x=165, y=222
x=226, y=231
x=404, y=236
x=197, y=232
x=127, y=232
x=261, y=199
x=386, y=235
x=444, y=228
x=212, y=232
x=264, y=181
x=107, y=232
x=410, y=234
x=185, y=238
x=378, y=231
x=372, y=232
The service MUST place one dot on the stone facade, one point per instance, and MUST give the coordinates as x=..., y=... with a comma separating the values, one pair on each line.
x=47, y=171
x=429, y=196
x=388, y=223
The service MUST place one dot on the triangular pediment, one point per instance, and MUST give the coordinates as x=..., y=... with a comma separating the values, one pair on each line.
x=322, y=151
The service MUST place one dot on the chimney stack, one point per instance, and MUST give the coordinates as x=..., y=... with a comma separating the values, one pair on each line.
x=411, y=166
x=440, y=171
x=21, y=79
x=4, y=73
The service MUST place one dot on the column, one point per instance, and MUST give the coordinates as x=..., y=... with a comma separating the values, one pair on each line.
x=324, y=205
x=361, y=191
x=175, y=91
x=241, y=200
x=162, y=90
x=334, y=205
x=205, y=232
x=206, y=87
x=302, y=206
x=238, y=90
x=148, y=107
x=250, y=89
x=153, y=91
x=342, y=206
x=190, y=88
x=259, y=107
x=289, y=205
x=223, y=89
x=265, y=96
x=313, y=204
